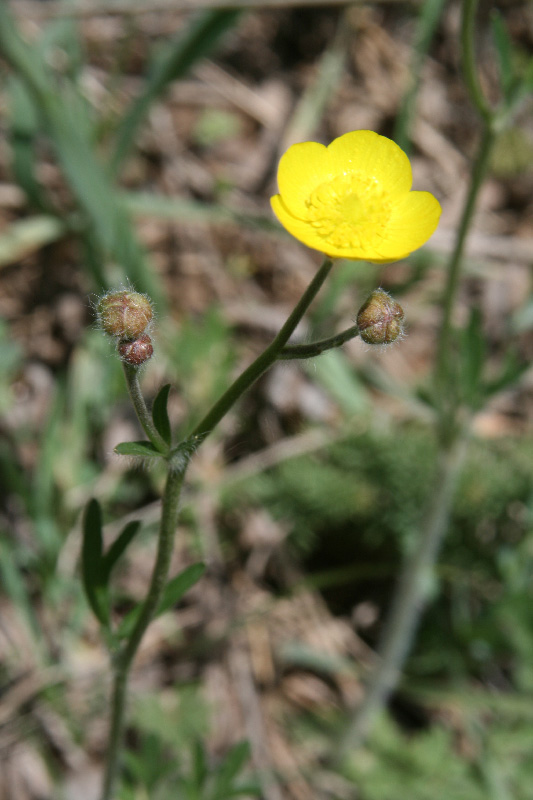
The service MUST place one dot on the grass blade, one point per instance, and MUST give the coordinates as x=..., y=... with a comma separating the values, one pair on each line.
x=199, y=40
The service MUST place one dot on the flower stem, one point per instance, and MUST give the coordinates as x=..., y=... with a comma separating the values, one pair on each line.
x=411, y=595
x=313, y=349
x=410, y=598
x=124, y=658
x=143, y=415
x=264, y=361
x=446, y=391
x=175, y=477
x=468, y=58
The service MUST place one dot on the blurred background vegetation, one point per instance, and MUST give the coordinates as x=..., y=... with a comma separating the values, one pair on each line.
x=138, y=146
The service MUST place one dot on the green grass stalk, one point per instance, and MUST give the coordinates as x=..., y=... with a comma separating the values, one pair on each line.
x=417, y=574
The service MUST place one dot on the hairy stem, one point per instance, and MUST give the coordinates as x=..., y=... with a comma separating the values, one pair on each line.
x=143, y=415
x=175, y=478
x=124, y=659
x=313, y=349
x=264, y=361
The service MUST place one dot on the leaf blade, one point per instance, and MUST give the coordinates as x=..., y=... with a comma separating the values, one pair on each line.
x=160, y=414
x=91, y=562
x=140, y=448
x=172, y=593
x=119, y=546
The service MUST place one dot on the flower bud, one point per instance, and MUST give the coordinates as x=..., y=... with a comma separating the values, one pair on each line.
x=124, y=314
x=380, y=319
x=135, y=352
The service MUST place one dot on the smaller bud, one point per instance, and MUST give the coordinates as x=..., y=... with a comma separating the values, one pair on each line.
x=136, y=352
x=125, y=314
x=380, y=319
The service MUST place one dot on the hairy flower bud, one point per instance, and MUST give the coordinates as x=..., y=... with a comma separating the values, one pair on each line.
x=124, y=314
x=135, y=352
x=380, y=319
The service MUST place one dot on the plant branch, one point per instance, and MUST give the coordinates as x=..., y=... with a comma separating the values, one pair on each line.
x=124, y=658
x=263, y=362
x=313, y=349
x=143, y=415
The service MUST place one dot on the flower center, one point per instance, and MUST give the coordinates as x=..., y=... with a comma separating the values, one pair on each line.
x=352, y=210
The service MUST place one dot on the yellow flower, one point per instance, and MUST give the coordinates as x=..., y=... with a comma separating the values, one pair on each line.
x=353, y=199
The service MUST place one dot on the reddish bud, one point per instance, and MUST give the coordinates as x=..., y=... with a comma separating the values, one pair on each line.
x=136, y=352
x=380, y=319
x=124, y=314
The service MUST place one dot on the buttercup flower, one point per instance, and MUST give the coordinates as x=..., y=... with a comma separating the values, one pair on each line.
x=353, y=199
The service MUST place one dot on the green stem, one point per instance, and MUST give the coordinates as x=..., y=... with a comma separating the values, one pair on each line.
x=313, y=349
x=443, y=367
x=143, y=415
x=479, y=168
x=411, y=595
x=263, y=362
x=124, y=658
x=468, y=58
x=409, y=600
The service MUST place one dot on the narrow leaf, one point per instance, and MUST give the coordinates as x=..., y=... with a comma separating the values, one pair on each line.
x=128, y=623
x=199, y=764
x=197, y=42
x=119, y=546
x=249, y=789
x=512, y=370
x=25, y=236
x=160, y=414
x=144, y=449
x=504, y=50
x=178, y=586
x=172, y=593
x=232, y=765
x=65, y=116
x=24, y=128
x=91, y=562
x=473, y=358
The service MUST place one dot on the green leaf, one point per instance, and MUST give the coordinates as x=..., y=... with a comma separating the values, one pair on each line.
x=197, y=42
x=178, y=586
x=504, y=50
x=229, y=769
x=119, y=546
x=143, y=449
x=160, y=414
x=27, y=235
x=248, y=789
x=24, y=128
x=66, y=119
x=93, y=575
x=512, y=370
x=172, y=594
x=335, y=373
x=473, y=356
x=199, y=764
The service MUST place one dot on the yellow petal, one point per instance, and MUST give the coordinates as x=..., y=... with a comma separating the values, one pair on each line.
x=413, y=221
x=301, y=169
x=372, y=156
x=305, y=233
